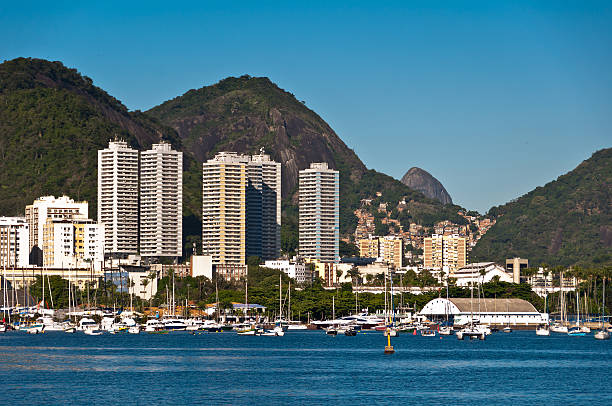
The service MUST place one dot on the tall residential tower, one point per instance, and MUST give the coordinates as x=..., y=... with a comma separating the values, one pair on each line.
x=241, y=207
x=224, y=183
x=118, y=197
x=161, y=202
x=319, y=205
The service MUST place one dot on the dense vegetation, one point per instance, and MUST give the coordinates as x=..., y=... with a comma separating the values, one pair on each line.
x=53, y=121
x=566, y=222
x=315, y=302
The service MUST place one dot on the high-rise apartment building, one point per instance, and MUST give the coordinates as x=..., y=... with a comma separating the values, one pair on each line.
x=263, y=220
x=319, y=207
x=241, y=210
x=388, y=249
x=224, y=183
x=118, y=197
x=61, y=208
x=161, y=202
x=445, y=252
x=14, y=242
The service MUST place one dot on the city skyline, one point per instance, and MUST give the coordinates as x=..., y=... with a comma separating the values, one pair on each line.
x=487, y=81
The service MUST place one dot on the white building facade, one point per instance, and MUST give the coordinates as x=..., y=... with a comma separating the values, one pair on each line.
x=61, y=208
x=294, y=270
x=513, y=312
x=14, y=242
x=118, y=197
x=480, y=272
x=161, y=202
x=75, y=243
x=319, y=213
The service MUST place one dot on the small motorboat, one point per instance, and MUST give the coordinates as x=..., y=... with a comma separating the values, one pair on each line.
x=331, y=331
x=470, y=333
x=602, y=335
x=559, y=328
x=428, y=333
x=134, y=330
x=543, y=331
x=446, y=331
x=92, y=332
x=576, y=332
x=507, y=329
x=351, y=332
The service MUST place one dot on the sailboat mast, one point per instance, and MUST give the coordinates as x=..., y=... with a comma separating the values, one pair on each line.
x=603, y=315
x=280, y=296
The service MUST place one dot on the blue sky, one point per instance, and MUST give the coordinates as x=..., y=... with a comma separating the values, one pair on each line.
x=492, y=99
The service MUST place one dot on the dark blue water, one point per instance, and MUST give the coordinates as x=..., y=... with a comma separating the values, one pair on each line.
x=303, y=368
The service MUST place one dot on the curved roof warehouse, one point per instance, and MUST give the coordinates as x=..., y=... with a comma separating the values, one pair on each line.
x=515, y=312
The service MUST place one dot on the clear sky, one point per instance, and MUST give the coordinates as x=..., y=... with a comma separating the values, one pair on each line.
x=492, y=98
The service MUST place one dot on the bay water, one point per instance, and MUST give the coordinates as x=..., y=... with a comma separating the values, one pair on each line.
x=303, y=367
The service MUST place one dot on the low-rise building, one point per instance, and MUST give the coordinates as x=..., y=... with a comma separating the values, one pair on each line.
x=295, y=270
x=498, y=312
x=75, y=243
x=480, y=272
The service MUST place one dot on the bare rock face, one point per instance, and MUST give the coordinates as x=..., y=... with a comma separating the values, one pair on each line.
x=245, y=114
x=424, y=182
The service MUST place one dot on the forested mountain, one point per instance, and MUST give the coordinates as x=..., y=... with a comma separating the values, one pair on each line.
x=246, y=113
x=53, y=121
x=567, y=221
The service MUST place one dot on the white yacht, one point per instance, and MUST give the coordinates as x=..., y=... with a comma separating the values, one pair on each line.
x=87, y=324
x=154, y=325
x=174, y=323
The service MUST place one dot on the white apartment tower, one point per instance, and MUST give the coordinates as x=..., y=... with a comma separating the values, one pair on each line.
x=61, y=208
x=161, y=202
x=14, y=242
x=118, y=197
x=319, y=206
x=224, y=183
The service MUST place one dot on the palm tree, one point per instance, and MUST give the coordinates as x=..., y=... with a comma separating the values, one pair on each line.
x=354, y=274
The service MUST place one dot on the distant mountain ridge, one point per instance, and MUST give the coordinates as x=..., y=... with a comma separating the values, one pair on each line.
x=421, y=180
x=568, y=221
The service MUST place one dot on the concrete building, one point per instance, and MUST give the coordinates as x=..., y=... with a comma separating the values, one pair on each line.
x=516, y=265
x=61, y=208
x=77, y=243
x=201, y=265
x=480, y=272
x=118, y=197
x=161, y=202
x=319, y=213
x=295, y=270
x=263, y=219
x=14, y=242
x=224, y=183
x=494, y=312
x=446, y=252
x=241, y=207
x=388, y=249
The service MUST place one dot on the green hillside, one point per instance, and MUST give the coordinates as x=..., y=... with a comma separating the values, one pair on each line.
x=247, y=113
x=566, y=222
x=53, y=121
